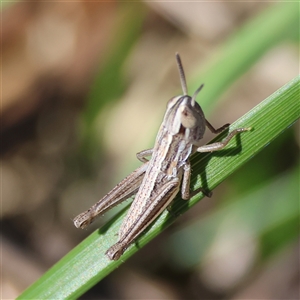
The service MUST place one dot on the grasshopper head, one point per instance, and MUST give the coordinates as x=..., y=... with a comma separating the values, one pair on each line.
x=184, y=114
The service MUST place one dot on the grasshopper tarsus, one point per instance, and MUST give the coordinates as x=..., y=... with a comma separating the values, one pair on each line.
x=115, y=251
x=83, y=220
x=158, y=180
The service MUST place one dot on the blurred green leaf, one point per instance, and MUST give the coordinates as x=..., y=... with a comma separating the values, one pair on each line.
x=109, y=83
x=7, y=3
x=241, y=51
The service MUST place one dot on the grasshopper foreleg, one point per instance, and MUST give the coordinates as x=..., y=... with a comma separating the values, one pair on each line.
x=220, y=145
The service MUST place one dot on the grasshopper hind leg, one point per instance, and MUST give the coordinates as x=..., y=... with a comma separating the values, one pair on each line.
x=154, y=208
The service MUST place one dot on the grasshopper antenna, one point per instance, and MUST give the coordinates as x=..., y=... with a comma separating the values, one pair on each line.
x=181, y=74
x=196, y=93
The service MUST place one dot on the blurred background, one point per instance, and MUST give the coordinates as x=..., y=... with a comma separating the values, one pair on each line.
x=84, y=88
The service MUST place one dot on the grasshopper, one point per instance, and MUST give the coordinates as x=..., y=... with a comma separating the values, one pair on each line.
x=158, y=180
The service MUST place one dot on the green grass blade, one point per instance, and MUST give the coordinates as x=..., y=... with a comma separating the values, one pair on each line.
x=109, y=83
x=86, y=264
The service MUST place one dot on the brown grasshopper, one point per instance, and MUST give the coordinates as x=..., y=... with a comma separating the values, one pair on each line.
x=158, y=180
